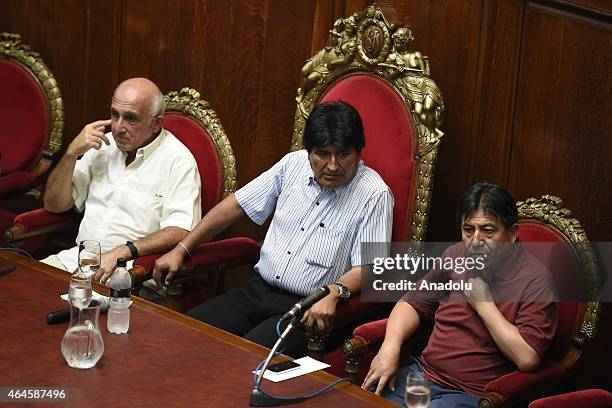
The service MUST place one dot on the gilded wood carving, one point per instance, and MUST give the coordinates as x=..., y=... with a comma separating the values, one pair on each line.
x=549, y=210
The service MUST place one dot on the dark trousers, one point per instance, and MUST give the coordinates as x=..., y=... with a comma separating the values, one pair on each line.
x=252, y=312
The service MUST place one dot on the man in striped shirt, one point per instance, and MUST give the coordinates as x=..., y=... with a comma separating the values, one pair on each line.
x=324, y=204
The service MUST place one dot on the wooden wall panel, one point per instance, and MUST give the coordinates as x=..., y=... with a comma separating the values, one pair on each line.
x=287, y=45
x=101, y=63
x=230, y=40
x=562, y=141
x=448, y=32
x=157, y=41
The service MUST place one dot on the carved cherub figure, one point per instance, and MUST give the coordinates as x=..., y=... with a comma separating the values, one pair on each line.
x=340, y=50
x=411, y=70
x=401, y=59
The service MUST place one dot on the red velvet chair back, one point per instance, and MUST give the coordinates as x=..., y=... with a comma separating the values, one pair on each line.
x=31, y=113
x=24, y=114
x=566, y=271
x=571, y=262
x=387, y=122
x=191, y=120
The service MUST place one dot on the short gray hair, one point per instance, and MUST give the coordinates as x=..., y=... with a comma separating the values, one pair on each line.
x=157, y=106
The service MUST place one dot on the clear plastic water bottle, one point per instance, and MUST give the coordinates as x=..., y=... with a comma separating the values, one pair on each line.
x=118, y=320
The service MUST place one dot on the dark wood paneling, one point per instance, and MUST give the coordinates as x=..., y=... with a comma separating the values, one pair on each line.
x=448, y=32
x=103, y=56
x=227, y=66
x=597, y=6
x=500, y=41
x=562, y=142
x=157, y=41
x=287, y=45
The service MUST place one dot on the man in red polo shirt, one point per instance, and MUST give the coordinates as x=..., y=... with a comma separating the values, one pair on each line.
x=504, y=322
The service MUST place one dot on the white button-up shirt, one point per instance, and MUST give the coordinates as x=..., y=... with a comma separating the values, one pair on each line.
x=160, y=188
x=316, y=233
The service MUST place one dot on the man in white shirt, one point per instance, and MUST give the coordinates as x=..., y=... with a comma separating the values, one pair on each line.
x=138, y=185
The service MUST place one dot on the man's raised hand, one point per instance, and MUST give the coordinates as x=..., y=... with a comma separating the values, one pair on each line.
x=91, y=137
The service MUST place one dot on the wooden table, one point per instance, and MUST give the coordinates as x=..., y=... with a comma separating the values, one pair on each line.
x=165, y=360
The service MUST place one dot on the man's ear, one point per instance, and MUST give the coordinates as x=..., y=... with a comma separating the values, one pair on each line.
x=158, y=122
x=514, y=232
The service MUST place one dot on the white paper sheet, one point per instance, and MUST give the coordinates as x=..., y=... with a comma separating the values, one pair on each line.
x=307, y=365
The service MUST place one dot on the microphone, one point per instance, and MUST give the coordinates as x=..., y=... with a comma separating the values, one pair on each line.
x=63, y=315
x=303, y=305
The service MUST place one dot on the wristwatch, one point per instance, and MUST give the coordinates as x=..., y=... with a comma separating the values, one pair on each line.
x=133, y=249
x=343, y=291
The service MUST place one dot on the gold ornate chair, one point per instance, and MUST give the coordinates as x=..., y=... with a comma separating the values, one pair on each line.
x=572, y=262
x=192, y=121
x=368, y=63
x=32, y=115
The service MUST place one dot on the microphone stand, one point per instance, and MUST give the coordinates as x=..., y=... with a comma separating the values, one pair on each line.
x=260, y=398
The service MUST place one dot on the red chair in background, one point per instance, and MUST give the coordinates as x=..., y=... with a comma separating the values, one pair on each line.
x=32, y=116
x=592, y=398
x=576, y=276
x=191, y=120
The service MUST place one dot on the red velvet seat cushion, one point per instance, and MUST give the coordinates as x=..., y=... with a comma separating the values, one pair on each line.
x=390, y=143
x=24, y=115
x=196, y=138
x=565, y=268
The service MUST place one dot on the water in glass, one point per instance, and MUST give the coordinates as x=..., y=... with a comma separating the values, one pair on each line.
x=82, y=344
x=417, y=391
x=79, y=291
x=89, y=257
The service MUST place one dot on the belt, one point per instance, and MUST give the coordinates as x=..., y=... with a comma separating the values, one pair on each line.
x=274, y=288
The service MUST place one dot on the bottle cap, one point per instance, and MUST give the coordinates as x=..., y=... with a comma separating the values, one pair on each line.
x=121, y=262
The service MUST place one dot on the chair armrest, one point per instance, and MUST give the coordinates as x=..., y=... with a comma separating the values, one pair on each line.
x=15, y=181
x=366, y=338
x=592, y=398
x=207, y=257
x=520, y=385
x=38, y=222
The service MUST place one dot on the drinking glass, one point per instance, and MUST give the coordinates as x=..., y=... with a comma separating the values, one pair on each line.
x=79, y=291
x=417, y=391
x=89, y=257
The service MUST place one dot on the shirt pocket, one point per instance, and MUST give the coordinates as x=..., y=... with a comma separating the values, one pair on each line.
x=323, y=246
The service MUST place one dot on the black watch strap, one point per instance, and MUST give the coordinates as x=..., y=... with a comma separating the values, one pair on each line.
x=133, y=249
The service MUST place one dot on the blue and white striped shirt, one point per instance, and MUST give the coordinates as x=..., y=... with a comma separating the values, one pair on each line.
x=316, y=233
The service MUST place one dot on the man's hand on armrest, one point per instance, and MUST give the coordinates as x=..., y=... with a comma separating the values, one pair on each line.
x=168, y=265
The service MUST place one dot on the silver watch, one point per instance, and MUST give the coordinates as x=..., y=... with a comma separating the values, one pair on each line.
x=343, y=291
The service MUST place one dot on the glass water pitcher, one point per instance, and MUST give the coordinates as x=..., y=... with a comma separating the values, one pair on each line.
x=82, y=345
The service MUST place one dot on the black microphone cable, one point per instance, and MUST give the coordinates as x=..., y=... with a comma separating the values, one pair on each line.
x=17, y=250
x=288, y=400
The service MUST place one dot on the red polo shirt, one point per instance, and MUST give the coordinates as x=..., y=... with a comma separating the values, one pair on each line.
x=460, y=353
